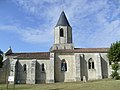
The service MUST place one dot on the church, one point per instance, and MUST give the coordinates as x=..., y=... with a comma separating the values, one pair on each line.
x=63, y=62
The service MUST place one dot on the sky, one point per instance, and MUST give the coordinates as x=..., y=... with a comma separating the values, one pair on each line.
x=28, y=25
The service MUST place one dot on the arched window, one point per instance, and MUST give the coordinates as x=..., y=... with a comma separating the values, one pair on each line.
x=24, y=67
x=43, y=67
x=91, y=64
x=61, y=32
x=63, y=65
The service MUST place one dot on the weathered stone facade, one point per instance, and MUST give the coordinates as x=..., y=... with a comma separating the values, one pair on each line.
x=63, y=63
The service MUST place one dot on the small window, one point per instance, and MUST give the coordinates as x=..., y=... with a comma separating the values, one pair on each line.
x=24, y=67
x=61, y=32
x=91, y=64
x=63, y=65
x=43, y=67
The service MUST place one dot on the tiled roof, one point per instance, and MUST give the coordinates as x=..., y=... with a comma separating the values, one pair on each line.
x=85, y=50
x=94, y=50
x=46, y=55
x=32, y=55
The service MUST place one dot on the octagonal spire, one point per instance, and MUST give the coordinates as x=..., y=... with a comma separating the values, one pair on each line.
x=63, y=20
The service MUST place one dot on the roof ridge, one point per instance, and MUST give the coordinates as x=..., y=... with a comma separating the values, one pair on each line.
x=93, y=48
x=31, y=52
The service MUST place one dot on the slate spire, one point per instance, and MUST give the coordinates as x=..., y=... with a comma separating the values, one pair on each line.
x=63, y=20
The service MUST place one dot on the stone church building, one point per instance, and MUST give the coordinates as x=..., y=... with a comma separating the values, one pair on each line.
x=63, y=62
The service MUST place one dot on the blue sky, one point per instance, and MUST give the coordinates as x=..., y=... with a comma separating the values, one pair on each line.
x=28, y=25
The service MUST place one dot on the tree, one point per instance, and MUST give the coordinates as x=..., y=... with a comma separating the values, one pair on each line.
x=1, y=59
x=114, y=58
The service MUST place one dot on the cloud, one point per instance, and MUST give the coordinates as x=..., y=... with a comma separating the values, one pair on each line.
x=8, y=27
x=29, y=34
x=37, y=36
x=99, y=27
x=95, y=23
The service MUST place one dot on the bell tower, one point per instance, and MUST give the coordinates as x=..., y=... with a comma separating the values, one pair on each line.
x=62, y=34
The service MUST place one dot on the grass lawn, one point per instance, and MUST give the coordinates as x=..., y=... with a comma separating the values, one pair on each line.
x=91, y=85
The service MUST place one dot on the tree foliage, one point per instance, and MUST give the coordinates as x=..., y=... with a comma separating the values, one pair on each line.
x=115, y=66
x=114, y=52
x=114, y=57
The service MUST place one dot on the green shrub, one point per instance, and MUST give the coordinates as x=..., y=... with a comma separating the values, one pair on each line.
x=115, y=75
x=115, y=66
x=114, y=57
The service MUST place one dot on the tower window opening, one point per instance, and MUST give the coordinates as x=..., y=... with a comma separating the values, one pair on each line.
x=61, y=32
